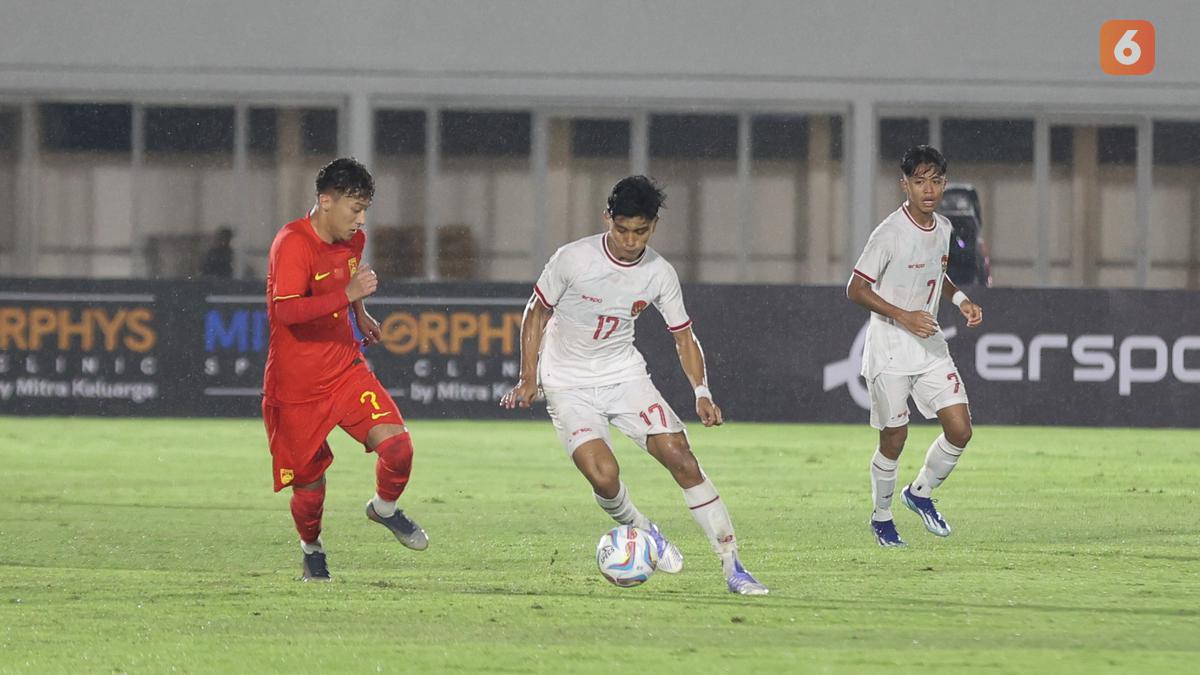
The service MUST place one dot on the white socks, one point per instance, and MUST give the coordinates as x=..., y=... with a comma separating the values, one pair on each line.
x=710, y=513
x=883, y=485
x=622, y=510
x=317, y=546
x=939, y=462
x=385, y=509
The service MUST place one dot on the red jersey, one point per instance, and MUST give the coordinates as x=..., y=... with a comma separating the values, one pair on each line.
x=306, y=359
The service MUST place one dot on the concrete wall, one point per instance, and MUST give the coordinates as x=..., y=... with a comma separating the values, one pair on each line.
x=855, y=59
x=922, y=50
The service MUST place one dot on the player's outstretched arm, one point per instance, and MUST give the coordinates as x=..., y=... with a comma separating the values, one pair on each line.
x=533, y=327
x=691, y=357
x=919, y=323
x=971, y=311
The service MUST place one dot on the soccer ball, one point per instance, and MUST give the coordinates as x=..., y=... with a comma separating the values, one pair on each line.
x=626, y=556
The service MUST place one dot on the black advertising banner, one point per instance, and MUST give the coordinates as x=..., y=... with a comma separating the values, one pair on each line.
x=67, y=347
x=448, y=350
x=775, y=353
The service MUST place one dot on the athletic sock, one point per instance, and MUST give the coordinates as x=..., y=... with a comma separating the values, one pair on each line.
x=317, y=546
x=622, y=509
x=939, y=462
x=883, y=485
x=308, y=504
x=386, y=508
x=393, y=465
x=710, y=513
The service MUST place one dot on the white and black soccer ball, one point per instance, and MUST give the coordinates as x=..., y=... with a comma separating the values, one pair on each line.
x=626, y=556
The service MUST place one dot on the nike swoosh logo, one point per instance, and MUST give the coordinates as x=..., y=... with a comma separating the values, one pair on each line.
x=376, y=416
x=319, y=277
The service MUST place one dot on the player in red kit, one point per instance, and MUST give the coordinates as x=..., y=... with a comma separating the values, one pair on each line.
x=316, y=377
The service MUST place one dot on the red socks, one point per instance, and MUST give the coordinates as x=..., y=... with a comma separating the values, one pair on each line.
x=393, y=466
x=307, y=507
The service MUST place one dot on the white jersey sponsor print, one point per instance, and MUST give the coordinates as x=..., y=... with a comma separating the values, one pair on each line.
x=905, y=264
x=596, y=298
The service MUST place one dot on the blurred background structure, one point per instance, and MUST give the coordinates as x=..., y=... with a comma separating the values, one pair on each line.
x=130, y=132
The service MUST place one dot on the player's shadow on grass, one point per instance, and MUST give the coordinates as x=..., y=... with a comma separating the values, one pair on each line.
x=1053, y=609
x=143, y=505
x=718, y=596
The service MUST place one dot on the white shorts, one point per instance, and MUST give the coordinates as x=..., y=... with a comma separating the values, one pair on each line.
x=635, y=408
x=937, y=388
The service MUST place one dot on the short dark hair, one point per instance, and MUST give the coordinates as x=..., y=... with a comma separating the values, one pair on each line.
x=922, y=154
x=347, y=177
x=634, y=197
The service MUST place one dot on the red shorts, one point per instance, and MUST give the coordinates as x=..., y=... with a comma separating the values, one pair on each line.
x=297, y=432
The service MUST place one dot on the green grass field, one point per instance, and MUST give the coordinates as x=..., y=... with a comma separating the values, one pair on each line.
x=158, y=546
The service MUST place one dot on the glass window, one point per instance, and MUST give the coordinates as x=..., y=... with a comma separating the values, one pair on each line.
x=396, y=221
x=187, y=186
x=319, y=131
x=693, y=137
x=896, y=135
x=599, y=138
x=485, y=191
x=694, y=158
x=10, y=154
x=84, y=195
x=995, y=158
x=86, y=127
x=189, y=130
x=586, y=158
x=797, y=206
x=1093, y=206
x=485, y=134
x=1175, y=206
x=286, y=148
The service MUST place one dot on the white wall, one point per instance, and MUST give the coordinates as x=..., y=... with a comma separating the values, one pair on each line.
x=921, y=56
x=920, y=50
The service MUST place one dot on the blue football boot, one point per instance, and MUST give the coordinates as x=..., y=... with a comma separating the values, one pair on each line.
x=923, y=506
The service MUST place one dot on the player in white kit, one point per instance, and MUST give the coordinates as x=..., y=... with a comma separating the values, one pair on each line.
x=901, y=278
x=577, y=345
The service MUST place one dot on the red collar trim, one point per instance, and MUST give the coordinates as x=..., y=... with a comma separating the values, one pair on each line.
x=932, y=225
x=617, y=261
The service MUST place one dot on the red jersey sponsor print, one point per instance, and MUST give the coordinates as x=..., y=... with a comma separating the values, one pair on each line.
x=305, y=360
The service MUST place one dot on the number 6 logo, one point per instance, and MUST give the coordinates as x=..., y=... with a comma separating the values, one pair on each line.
x=1127, y=47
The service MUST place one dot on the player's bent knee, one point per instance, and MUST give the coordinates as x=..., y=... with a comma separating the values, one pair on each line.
x=605, y=484
x=396, y=452
x=959, y=437
x=602, y=472
x=378, y=435
x=893, y=438
x=674, y=452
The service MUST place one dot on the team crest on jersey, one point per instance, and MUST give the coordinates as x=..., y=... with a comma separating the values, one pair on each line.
x=945, y=262
x=638, y=307
x=353, y=262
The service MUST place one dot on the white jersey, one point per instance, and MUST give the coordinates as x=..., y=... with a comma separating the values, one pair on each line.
x=906, y=265
x=596, y=298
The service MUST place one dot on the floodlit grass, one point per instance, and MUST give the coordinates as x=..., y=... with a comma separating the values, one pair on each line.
x=158, y=546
